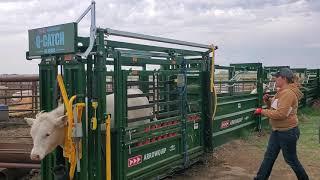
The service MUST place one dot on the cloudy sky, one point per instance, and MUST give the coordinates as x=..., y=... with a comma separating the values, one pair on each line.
x=275, y=32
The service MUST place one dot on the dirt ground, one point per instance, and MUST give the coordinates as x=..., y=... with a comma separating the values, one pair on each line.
x=11, y=134
x=240, y=159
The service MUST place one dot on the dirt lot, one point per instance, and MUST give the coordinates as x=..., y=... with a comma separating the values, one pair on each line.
x=240, y=159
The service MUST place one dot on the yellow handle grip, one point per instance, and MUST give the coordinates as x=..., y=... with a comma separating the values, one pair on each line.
x=94, y=123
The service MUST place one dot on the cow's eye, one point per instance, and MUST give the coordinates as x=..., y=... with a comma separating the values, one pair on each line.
x=47, y=134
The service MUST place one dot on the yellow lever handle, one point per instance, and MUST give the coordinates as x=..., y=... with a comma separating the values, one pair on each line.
x=94, y=122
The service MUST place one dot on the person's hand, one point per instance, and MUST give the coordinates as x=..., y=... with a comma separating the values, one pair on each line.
x=258, y=111
x=266, y=97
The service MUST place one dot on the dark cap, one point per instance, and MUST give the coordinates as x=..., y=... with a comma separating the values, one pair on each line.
x=284, y=72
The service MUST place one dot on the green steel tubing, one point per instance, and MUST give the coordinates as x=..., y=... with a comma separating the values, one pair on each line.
x=89, y=91
x=100, y=96
x=48, y=101
x=260, y=93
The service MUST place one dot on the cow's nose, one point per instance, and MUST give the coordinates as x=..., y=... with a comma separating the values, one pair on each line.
x=35, y=157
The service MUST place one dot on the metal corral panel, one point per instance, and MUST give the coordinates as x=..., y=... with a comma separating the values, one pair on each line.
x=234, y=114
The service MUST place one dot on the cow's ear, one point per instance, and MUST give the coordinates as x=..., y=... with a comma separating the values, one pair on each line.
x=61, y=121
x=30, y=121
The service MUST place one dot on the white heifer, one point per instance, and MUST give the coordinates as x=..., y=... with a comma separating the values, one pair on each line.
x=47, y=129
x=138, y=101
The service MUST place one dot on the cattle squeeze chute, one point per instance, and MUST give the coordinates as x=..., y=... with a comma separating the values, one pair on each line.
x=164, y=101
x=158, y=98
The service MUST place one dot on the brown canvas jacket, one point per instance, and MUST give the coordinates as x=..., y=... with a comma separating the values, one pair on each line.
x=283, y=110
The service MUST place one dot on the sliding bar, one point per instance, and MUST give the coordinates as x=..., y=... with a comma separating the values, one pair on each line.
x=109, y=31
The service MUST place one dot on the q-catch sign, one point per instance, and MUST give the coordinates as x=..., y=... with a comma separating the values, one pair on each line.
x=59, y=39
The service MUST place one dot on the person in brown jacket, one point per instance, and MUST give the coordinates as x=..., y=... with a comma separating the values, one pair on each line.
x=282, y=114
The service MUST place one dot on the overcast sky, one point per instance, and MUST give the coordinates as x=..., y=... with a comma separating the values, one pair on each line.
x=275, y=32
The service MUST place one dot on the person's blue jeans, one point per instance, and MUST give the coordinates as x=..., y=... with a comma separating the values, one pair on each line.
x=287, y=142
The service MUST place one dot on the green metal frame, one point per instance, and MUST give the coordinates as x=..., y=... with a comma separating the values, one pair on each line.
x=185, y=109
x=47, y=83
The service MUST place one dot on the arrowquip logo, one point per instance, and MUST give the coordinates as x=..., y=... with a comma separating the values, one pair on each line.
x=227, y=123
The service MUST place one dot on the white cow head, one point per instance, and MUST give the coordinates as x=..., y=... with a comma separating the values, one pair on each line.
x=47, y=132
